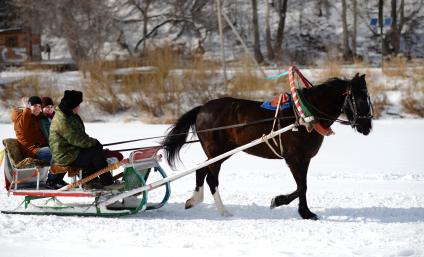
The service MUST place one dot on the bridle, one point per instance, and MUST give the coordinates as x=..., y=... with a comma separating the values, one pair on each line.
x=350, y=102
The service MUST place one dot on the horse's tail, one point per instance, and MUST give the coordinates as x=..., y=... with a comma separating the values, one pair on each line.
x=177, y=136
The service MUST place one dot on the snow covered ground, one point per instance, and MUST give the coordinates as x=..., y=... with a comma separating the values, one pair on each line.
x=368, y=192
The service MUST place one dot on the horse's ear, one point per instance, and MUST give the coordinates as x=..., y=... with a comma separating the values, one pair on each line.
x=363, y=76
x=356, y=75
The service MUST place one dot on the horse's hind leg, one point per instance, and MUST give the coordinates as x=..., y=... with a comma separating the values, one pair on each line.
x=197, y=196
x=213, y=182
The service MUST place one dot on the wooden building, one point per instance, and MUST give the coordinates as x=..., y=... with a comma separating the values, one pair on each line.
x=18, y=45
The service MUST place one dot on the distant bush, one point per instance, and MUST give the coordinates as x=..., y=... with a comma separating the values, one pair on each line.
x=13, y=92
x=101, y=90
x=395, y=67
x=378, y=98
x=331, y=68
x=413, y=99
x=248, y=83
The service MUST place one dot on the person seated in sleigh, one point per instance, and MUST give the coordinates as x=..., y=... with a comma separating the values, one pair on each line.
x=32, y=141
x=71, y=146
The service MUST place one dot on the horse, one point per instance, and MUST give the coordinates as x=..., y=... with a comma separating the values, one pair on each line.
x=327, y=101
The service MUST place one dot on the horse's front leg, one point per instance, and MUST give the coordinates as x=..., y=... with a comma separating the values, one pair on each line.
x=299, y=169
x=283, y=199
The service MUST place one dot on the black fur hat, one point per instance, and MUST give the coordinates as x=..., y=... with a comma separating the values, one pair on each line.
x=71, y=99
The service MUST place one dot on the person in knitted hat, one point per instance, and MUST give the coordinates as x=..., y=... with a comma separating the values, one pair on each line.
x=70, y=144
x=33, y=101
x=47, y=106
x=47, y=115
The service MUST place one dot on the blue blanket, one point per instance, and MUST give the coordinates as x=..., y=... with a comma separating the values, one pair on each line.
x=272, y=105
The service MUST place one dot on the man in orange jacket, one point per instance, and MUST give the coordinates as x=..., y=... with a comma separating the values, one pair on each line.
x=28, y=131
x=29, y=134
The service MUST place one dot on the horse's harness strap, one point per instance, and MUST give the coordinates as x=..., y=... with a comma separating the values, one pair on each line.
x=280, y=145
x=270, y=146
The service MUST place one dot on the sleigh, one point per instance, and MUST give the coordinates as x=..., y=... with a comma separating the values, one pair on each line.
x=133, y=198
x=25, y=177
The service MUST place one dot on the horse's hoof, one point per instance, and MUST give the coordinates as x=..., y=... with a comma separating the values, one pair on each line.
x=226, y=213
x=309, y=216
x=312, y=217
x=189, y=204
x=273, y=204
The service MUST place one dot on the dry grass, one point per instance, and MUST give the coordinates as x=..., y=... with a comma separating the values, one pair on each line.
x=413, y=99
x=151, y=92
x=418, y=70
x=163, y=92
x=378, y=98
x=103, y=92
x=395, y=67
x=248, y=83
x=12, y=93
x=198, y=80
x=332, y=68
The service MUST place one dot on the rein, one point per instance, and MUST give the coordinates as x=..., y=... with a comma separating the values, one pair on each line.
x=350, y=103
x=201, y=131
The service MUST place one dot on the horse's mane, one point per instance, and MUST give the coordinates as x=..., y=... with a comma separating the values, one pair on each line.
x=329, y=83
x=334, y=80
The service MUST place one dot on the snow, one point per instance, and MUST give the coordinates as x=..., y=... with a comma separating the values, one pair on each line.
x=368, y=192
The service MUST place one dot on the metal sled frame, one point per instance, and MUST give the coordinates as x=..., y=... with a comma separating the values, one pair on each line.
x=137, y=169
x=107, y=203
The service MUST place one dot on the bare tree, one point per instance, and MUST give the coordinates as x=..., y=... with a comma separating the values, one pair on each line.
x=8, y=14
x=347, y=53
x=281, y=7
x=354, y=27
x=268, y=38
x=85, y=25
x=381, y=24
x=256, y=40
x=397, y=31
x=184, y=16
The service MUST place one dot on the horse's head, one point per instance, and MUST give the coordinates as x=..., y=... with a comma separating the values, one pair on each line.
x=357, y=106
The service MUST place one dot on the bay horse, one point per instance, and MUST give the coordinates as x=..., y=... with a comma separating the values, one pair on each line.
x=327, y=102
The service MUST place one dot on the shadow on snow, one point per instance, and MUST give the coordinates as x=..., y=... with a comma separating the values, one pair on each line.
x=176, y=211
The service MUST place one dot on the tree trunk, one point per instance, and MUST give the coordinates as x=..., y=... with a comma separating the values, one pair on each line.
x=402, y=15
x=347, y=54
x=281, y=8
x=257, y=44
x=355, y=23
x=145, y=23
x=380, y=24
x=268, y=38
x=393, y=37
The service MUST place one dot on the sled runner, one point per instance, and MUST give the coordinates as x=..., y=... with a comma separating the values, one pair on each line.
x=26, y=178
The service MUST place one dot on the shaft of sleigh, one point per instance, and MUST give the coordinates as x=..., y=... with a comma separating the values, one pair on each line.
x=161, y=182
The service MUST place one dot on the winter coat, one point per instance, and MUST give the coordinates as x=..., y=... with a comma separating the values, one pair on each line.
x=45, y=123
x=28, y=131
x=67, y=137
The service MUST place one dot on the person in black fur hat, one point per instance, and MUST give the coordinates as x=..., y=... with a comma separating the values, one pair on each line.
x=71, y=146
x=70, y=101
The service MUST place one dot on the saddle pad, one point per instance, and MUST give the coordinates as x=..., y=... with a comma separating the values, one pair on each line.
x=286, y=102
